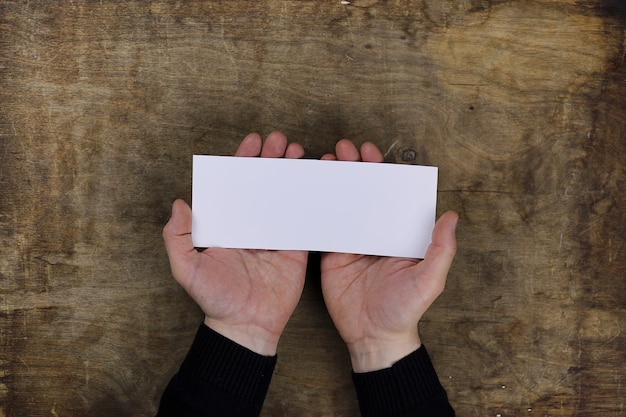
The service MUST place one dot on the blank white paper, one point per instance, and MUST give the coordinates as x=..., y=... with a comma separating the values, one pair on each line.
x=302, y=204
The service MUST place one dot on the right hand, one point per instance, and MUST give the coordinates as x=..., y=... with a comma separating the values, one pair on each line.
x=377, y=302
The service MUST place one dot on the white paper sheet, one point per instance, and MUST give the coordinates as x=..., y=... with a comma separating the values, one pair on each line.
x=328, y=206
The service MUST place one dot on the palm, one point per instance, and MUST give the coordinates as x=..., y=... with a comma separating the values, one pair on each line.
x=371, y=297
x=241, y=287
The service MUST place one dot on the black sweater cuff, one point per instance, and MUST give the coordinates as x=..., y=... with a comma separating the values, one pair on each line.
x=233, y=368
x=218, y=378
x=409, y=388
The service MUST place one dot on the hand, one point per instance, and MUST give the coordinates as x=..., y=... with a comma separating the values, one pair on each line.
x=377, y=302
x=246, y=295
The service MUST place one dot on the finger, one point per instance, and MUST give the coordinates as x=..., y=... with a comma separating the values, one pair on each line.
x=294, y=151
x=371, y=153
x=250, y=145
x=328, y=157
x=274, y=146
x=177, y=233
x=346, y=151
x=440, y=253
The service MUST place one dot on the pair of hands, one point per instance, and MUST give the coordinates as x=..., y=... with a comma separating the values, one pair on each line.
x=249, y=295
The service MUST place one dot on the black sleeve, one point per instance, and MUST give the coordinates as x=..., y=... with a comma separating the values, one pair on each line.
x=410, y=388
x=218, y=378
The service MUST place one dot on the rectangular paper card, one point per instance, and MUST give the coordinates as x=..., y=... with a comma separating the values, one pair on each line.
x=303, y=204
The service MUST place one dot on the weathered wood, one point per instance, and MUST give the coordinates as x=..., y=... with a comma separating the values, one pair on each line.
x=520, y=104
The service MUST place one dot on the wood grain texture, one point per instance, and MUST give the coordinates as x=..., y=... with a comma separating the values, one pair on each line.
x=520, y=103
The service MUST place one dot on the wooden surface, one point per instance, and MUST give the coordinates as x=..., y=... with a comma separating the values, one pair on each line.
x=521, y=104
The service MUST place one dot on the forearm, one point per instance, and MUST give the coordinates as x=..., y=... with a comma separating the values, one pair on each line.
x=409, y=388
x=218, y=377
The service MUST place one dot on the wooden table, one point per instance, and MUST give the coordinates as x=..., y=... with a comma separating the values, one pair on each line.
x=521, y=104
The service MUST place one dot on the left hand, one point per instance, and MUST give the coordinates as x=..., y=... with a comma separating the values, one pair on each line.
x=246, y=295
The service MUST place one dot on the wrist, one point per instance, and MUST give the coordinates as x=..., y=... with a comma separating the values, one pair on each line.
x=370, y=354
x=254, y=338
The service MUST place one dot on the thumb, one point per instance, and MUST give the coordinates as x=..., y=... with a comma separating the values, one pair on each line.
x=177, y=233
x=441, y=251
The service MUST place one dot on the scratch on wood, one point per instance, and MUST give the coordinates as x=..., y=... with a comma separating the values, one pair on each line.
x=393, y=145
x=25, y=364
x=223, y=36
